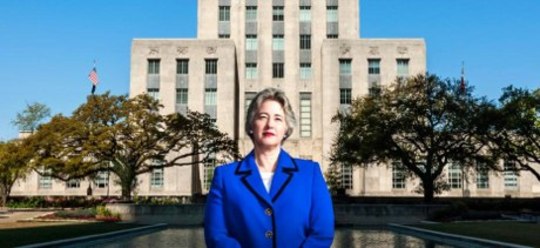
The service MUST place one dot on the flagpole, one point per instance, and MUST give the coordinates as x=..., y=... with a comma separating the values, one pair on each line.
x=462, y=83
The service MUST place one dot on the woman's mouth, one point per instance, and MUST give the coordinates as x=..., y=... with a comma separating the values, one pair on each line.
x=268, y=134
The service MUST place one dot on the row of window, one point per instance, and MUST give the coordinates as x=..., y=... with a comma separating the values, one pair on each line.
x=278, y=42
x=100, y=181
x=374, y=67
x=278, y=13
x=210, y=95
x=455, y=177
x=182, y=66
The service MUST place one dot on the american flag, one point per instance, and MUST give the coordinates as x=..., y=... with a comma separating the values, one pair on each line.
x=93, y=76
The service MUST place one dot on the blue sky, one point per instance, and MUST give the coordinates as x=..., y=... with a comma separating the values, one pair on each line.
x=47, y=47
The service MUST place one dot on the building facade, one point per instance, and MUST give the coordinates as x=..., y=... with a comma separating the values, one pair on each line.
x=310, y=49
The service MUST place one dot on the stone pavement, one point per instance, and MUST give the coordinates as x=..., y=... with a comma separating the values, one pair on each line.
x=10, y=216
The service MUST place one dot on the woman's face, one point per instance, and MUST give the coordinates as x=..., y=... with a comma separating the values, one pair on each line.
x=269, y=125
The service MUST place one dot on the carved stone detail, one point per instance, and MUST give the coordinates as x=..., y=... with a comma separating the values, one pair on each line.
x=153, y=50
x=211, y=50
x=345, y=49
x=374, y=50
x=182, y=50
x=402, y=50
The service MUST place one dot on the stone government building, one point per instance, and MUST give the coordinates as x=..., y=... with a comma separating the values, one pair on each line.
x=309, y=48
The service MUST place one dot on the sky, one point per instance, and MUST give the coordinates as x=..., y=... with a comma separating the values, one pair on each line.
x=48, y=47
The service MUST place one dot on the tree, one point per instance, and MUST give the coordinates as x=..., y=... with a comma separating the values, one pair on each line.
x=127, y=137
x=14, y=158
x=333, y=179
x=516, y=129
x=424, y=123
x=31, y=117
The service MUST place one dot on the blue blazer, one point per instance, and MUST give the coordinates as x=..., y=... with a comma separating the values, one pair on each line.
x=297, y=212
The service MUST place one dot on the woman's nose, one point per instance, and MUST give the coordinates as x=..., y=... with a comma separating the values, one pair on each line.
x=270, y=122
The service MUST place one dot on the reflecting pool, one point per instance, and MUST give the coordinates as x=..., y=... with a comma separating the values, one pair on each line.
x=344, y=237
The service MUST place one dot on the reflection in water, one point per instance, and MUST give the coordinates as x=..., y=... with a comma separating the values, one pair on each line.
x=356, y=238
x=344, y=237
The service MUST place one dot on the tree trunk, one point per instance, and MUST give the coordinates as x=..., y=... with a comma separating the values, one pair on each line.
x=4, y=193
x=196, y=187
x=428, y=189
x=128, y=183
x=126, y=193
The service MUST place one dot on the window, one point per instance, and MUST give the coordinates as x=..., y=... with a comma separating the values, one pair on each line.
x=73, y=184
x=211, y=66
x=224, y=36
x=278, y=70
x=224, y=13
x=346, y=176
x=182, y=96
x=344, y=67
x=247, y=101
x=251, y=42
x=277, y=13
x=403, y=67
x=305, y=13
x=154, y=93
x=374, y=66
x=331, y=13
x=454, y=176
x=251, y=71
x=156, y=178
x=482, y=177
x=305, y=114
x=153, y=66
x=305, y=41
x=345, y=96
x=510, y=176
x=398, y=175
x=251, y=13
x=210, y=97
x=102, y=179
x=45, y=182
x=305, y=71
x=209, y=167
x=277, y=42
x=182, y=66
x=331, y=36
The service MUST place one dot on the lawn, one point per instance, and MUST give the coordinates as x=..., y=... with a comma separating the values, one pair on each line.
x=504, y=231
x=25, y=235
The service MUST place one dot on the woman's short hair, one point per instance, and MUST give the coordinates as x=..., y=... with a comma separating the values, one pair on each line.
x=275, y=95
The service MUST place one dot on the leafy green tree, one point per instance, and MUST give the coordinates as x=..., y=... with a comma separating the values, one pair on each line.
x=14, y=159
x=127, y=137
x=424, y=122
x=333, y=179
x=31, y=117
x=516, y=133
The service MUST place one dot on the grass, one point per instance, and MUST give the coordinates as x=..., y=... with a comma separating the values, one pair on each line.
x=25, y=234
x=503, y=231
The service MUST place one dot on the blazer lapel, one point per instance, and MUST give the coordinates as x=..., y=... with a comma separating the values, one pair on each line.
x=251, y=178
x=286, y=167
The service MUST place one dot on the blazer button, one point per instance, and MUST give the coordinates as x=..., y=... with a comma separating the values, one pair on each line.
x=268, y=211
x=268, y=234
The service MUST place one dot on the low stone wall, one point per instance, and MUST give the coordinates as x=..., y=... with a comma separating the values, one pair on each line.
x=381, y=214
x=181, y=215
x=345, y=214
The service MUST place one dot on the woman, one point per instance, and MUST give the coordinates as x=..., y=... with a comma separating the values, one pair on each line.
x=269, y=199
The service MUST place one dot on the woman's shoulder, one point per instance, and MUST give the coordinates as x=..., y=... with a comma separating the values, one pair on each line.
x=228, y=167
x=306, y=163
